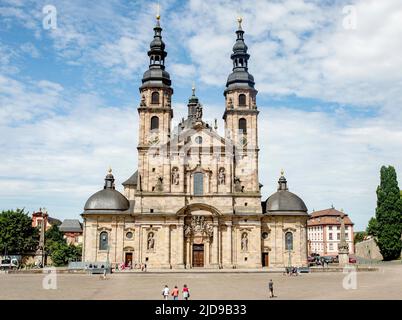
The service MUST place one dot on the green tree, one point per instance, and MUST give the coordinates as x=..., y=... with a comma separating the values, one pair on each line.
x=62, y=253
x=359, y=236
x=16, y=232
x=387, y=224
x=58, y=249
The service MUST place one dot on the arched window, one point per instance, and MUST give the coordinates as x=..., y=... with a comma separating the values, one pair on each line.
x=243, y=125
x=289, y=241
x=242, y=99
x=154, y=123
x=103, y=240
x=198, y=184
x=155, y=98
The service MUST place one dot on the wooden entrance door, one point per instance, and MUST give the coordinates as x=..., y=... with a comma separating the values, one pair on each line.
x=265, y=259
x=198, y=255
x=129, y=259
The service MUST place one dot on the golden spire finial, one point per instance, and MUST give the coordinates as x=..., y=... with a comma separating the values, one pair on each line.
x=158, y=16
x=239, y=20
x=193, y=88
x=282, y=172
x=110, y=170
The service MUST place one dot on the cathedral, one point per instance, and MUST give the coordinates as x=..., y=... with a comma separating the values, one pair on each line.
x=195, y=199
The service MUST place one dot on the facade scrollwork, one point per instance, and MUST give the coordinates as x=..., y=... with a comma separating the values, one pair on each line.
x=198, y=226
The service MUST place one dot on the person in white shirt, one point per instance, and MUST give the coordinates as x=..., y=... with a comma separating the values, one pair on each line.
x=165, y=292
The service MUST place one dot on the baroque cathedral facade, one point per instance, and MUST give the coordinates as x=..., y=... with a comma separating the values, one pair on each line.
x=195, y=198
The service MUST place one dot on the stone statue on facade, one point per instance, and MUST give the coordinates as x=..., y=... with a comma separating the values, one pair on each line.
x=230, y=103
x=244, y=242
x=198, y=226
x=237, y=186
x=198, y=113
x=221, y=176
x=142, y=103
x=159, y=184
x=151, y=241
x=175, y=176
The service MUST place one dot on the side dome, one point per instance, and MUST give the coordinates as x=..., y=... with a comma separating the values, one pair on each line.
x=284, y=201
x=107, y=199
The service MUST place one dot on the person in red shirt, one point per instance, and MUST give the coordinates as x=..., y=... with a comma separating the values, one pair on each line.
x=186, y=292
x=175, y=293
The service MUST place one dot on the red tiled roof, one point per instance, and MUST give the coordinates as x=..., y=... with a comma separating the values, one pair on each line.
x=327, y=217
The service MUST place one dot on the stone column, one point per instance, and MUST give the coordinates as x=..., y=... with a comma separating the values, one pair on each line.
x=188, y=262
x=168, y=242
x=228, y=247
x=215, y=247
x=206, y=247
x=180, y=245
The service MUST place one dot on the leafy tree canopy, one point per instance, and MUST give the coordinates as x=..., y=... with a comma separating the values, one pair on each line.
x=17, y=235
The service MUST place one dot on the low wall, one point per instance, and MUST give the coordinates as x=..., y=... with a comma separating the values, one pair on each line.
x=368, y=249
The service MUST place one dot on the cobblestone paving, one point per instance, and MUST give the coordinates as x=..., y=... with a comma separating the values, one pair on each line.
x=383, y=284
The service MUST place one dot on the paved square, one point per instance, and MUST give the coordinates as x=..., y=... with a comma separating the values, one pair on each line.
x=383, y=284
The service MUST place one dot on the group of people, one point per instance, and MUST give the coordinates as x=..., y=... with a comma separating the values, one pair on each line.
x=175, y=293
x=129, y=266
x=292, y=271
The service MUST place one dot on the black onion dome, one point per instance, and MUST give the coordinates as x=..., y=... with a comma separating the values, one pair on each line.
x=107, y=199
x=156, y=75
x=240, y=78
x=285, y=201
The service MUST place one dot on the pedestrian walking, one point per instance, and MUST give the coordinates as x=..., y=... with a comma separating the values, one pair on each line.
x=175, y=293
x=165, y=292
x=271, y=288
x=186, y=292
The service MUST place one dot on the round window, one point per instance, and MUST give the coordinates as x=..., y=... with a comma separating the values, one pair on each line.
x=265, y=235
x=198, y=139
x=129, y=235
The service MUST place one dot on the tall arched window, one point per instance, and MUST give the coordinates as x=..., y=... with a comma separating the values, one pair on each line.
x=103, y=240
x=198, y=184
x=243, y=125
x=154, y=123
x=289, y=241
x=155, y=98
x=242, y=99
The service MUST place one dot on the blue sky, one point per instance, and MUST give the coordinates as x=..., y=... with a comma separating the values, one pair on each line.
x=329, y=95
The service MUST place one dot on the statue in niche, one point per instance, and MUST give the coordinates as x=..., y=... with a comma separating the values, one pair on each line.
x=175, y=176
x=221, y=176
x=253, y=103
x=198, y=112
x=244, y=242
x=168, y=101
x=159, y=184
x=151, y=241
x=230, y=103
x=143, y=104
x=237, y=185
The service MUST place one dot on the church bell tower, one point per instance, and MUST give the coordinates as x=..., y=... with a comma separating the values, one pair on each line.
x=240, y=117
x=155, y=114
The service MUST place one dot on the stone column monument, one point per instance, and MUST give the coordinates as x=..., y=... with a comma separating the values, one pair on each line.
x=343, y=247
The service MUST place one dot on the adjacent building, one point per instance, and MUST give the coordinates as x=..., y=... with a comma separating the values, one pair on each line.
x=324, y=229
x=41, y=218
x=195, y=198
x=72, y=230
